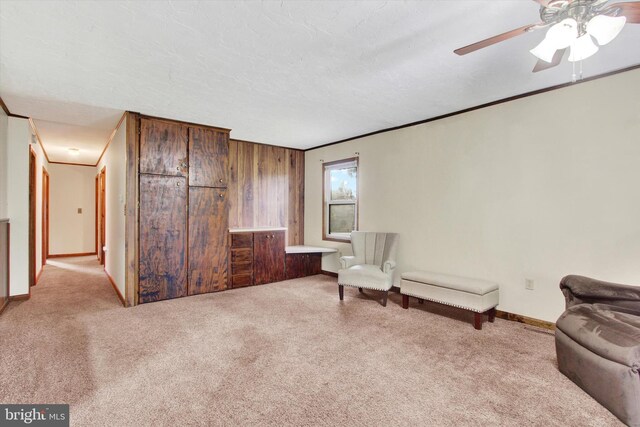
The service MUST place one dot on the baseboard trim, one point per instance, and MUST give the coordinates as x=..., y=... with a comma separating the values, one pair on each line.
x=71, y=255
x=329, y=273
x=21, y=297
x=6, y=303
x=526, y=320
x=115, y=288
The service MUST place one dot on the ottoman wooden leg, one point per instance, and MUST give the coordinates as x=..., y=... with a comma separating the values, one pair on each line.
x=405, y=301
x=341, y=292
x=492, y=314
x=361, y=291
x=420, y=301
x=384, y=298
x=477, y=320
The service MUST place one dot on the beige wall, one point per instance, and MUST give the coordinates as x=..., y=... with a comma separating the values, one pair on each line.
x=19, y=137
x=4, y=124
x=114, y=160
x=70, y=188
x=535, y=188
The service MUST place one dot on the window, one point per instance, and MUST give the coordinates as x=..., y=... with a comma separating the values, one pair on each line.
x=340, y=204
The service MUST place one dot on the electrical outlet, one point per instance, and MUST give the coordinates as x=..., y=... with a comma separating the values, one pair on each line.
x=528, y=284
x=79, y=210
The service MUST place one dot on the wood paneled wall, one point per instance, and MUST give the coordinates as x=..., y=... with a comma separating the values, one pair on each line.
x=266, y=188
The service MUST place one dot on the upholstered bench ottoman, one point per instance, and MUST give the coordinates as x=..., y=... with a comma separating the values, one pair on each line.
x=479, y=296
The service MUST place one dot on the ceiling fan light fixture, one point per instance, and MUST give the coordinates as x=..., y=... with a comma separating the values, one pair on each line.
x=545, y=50
x=582, y=48
x=605, y=28
x=73, y=151
x=563, y=33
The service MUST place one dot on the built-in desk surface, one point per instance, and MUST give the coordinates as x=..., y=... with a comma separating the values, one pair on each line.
x=256, y=229
x=302, y=249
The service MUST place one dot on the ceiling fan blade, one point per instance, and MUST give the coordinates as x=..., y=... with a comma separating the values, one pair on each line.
x=495, y=39
x=544, y=65
x=630, y=10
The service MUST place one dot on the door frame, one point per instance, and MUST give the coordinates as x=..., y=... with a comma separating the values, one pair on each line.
x=96, y=224
x=32, y=217
x=103, y=215
x=45, y=215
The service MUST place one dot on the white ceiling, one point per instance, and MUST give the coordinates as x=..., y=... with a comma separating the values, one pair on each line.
x=291, y=73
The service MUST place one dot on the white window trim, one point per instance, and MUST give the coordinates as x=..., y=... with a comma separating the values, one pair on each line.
x=326, y=194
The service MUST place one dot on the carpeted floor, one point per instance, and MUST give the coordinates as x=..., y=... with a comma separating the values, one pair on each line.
x=287, y=353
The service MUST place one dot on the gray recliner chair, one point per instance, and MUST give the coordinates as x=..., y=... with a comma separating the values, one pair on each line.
x=372, y=263
x=598, y=343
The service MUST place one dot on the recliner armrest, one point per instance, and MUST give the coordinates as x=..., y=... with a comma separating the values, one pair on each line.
x=580, y=289
x=347, y=261
x=388, y=266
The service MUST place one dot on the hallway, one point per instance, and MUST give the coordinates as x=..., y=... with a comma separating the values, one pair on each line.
x=48, y=337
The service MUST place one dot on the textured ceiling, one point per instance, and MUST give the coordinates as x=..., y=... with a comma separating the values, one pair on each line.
x=289, y=73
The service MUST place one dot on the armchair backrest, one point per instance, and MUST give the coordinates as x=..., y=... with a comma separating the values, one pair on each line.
x=374, y=248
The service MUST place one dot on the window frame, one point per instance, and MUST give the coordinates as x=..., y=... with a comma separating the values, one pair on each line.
x=327, y=166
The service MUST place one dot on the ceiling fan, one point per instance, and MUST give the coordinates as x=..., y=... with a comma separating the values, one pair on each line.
x=572, y=24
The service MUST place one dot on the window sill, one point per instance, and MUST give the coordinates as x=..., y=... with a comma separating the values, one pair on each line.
x=337, y=239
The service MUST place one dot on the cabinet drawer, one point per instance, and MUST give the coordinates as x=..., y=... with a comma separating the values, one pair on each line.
x=241, y=255
x=241, y=280
x=242, y=240
x=243, y=268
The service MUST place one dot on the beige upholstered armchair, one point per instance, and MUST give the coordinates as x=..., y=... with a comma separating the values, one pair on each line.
x=372, y=263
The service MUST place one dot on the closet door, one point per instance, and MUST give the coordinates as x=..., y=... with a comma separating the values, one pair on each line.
x=208, y=237
x=163, y=147
x=163, y=237
x=208, y=157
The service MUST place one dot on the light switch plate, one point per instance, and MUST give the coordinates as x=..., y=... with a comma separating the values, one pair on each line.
x=79, y=210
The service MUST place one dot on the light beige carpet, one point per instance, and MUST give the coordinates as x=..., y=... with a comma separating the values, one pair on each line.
x=287, y=353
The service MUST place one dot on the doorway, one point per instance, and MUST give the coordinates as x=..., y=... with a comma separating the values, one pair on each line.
x=103, y=214
x=45, y=215
x=32, y=217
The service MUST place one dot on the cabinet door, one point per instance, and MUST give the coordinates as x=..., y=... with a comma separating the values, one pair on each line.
x=314, y=265
x=295, y=266
x=163, y=237
x=163, y=147
x=208, y=157
x=268, y=257
x=208, y=248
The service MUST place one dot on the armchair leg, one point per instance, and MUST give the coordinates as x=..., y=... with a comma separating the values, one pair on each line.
x=341, y=292
x=384, y=298
x=405, y=301
x=361, y=291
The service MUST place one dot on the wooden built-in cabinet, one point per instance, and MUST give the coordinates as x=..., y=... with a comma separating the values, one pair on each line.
x=257, y=258
x=184, y=213
x=302, y=265
x=187, y=185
